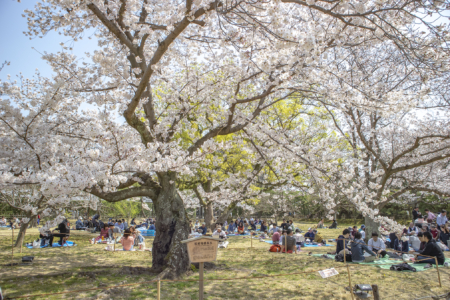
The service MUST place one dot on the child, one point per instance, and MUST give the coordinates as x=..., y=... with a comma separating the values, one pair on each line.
x=127, y=240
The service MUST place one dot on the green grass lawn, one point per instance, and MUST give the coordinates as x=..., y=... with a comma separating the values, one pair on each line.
x=89, y=266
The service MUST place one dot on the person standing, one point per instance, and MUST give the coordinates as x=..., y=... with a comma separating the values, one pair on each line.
x=441, y=219
x=429, y=215
x=415, y=213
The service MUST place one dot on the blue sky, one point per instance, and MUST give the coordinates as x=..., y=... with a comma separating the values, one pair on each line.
x=17, y=48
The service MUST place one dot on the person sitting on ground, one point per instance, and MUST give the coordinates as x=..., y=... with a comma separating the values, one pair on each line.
x=431, y=249
x=252, y=226
x=318, y=237
x=152, y=226
x=401, y=244
x=377, y=245
x=363, y=232
x=434, y=232
x=104, y=232
x=358, y=247
x=415, y=241
x=231, y=227
x=310, y=234
x=412, y=230
x=274, y=228
x=284, y=225
x=276, y=237
x=263, y=226
x=291, y=225
x=354, y=231
x=444, y=235
x=113, y=231
x=219, y=232
x=203, y=229
x=320, y=224
x=133, y=222
x=299, y=238
x=79, y=224
x=241, y=229
x=264, y=235
x=342, y=241
x=289, y=243
x=64, y=232
x=283, y=232
x=125, y=224
x=138, y=238
x=245, y=225
x=127, y=241
x=333, y=225
x=119, y=225
x=3, y=221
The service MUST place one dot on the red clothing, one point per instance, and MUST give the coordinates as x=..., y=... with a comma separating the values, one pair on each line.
x=241, y=229
x=434, y=233
x=104, y=232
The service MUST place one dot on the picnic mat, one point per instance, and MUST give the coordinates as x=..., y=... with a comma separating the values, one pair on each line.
x=307, y=245
x=386, y=263
x=66, y=244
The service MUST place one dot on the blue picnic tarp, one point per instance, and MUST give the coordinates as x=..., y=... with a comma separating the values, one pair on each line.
x=66, y=244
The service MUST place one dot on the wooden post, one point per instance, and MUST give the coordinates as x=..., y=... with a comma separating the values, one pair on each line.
x=376, y=294
x=12, y=245
x=350, y=282
x=437, y=269
x=200, y=282
x=158, y=290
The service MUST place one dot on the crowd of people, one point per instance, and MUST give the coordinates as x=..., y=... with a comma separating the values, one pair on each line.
x=426, y=237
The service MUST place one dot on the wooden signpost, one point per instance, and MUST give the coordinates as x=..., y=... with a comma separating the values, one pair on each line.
x=200, y=250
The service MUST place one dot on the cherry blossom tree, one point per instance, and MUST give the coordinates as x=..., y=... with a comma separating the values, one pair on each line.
x=184, y=74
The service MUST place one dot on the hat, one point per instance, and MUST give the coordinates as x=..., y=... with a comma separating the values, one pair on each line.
x=363, y=226
x=203, y=223
x=309, y=228
x=80, y=218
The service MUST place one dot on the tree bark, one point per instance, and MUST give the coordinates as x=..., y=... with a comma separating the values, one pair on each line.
x=170, y=257
x=371, y=226
x=209, y=217
x=23, y=231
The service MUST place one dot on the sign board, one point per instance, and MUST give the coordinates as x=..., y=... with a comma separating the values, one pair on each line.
x=328, y=273
x=202, y=249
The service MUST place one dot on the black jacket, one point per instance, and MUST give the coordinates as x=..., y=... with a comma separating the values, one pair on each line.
x=340, y=244
x=63, y=227
x=432, y=249
x=414, y=213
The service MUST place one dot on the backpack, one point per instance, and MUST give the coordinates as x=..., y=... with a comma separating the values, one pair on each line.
x=275, y=248
x=402, y=267
x=340, y=258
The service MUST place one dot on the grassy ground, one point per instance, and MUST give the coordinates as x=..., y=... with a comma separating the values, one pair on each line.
x=89, y=266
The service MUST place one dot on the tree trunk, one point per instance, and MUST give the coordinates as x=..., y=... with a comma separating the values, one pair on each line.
x=172, y=226
x=371, y=226
x=23, y=231
x=209, y=217
x=224, y=215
